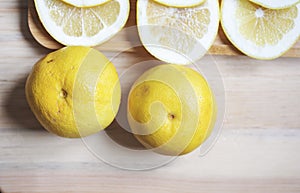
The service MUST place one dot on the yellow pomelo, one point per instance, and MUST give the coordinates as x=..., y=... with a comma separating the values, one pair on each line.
x=260, y=32
x=74, y=92
x=171, y=109
x=82, y=26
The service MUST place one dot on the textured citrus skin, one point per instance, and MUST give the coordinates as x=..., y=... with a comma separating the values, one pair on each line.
x=163, y=111
x=70, y=102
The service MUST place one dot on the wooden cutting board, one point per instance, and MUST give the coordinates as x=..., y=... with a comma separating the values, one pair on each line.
x=221, y=46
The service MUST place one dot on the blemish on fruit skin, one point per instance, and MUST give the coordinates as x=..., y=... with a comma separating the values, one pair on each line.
x=49, y=61
x=63, y=93
x=145, y=89
x=171, y=116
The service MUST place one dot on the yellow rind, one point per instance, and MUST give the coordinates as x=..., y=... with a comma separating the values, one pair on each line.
x=74, y=92
x=165, y=139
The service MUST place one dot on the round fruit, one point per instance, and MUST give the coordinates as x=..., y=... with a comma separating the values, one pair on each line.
x=74, y=92
x=85, y=3
x=90, y=26
x=275, y=4
x=171, y=109
x=260, y=32
x=177, y=35
x=180, y=3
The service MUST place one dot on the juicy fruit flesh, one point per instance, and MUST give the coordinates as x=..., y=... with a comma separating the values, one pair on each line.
x=191, y=21
x=264, y=26
x=93, y=19
x=74, y=92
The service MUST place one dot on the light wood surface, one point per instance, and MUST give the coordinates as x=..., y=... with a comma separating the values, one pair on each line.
x=221, y=46
x=257, y=151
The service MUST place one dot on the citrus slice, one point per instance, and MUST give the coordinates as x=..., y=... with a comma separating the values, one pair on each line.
x=276, y=4
x=85, y=3
x=180, y=3
x=260, y=32
x=72, y=25
x=177, y=35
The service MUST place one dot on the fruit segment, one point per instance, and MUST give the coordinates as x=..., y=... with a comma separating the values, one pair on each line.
x=191, y=21
x=264, y=26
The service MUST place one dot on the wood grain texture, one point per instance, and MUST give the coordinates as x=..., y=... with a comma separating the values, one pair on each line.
x=257, y=151
x=221, y=46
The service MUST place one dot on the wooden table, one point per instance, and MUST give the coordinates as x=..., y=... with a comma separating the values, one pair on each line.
x=258, y=150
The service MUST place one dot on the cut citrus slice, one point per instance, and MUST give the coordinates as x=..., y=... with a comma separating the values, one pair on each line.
x=91, y=26
x=180, y=3
x=276, y=4
x=260, y=32
x=177, y=35
x=85, y=3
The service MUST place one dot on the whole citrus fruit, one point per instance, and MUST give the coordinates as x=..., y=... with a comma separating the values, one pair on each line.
x=74, y=92
x=171, y=109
